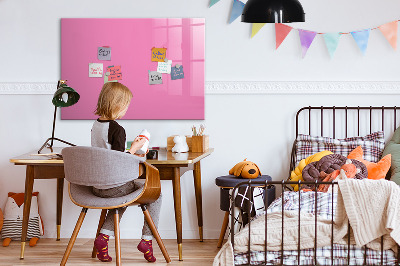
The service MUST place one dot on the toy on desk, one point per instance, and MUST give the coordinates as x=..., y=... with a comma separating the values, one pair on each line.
x=13, y=216
x=245, y=169
x=180, y=144
x=144, y=134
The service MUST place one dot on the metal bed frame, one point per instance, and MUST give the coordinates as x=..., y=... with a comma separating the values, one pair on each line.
x=283, y=184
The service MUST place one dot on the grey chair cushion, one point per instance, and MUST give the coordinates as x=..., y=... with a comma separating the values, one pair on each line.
x=83, y=196
x=99, y=167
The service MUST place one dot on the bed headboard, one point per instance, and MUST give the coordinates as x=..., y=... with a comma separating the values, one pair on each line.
x=344, y=121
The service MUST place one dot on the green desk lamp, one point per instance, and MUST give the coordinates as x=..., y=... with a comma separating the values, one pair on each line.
x=64, y=96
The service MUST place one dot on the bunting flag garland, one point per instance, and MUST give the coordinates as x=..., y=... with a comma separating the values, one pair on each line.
x=332, y=41
x=237, y=9
x=256, y=27
x=213, y=2
x=389, y=30
x=361, y=37
x=281, y=31
x=306, y=39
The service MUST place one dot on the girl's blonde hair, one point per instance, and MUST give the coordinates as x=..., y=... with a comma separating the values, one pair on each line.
x=113, y=98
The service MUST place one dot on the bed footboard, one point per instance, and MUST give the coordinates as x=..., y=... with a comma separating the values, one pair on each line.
x=333, y=259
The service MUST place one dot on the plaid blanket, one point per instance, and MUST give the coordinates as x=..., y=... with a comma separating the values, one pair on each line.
x=323, y=205
x=324, y=257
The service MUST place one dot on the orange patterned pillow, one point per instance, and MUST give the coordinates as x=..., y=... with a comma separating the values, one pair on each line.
x=375, y=170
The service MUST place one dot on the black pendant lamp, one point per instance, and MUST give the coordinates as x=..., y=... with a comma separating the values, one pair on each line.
x=273, y=11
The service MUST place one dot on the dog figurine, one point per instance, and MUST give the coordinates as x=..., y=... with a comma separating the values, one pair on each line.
x=180, y=144
x=245, y=169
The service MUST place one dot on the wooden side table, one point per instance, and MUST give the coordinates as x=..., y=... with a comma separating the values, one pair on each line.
x=226, y=183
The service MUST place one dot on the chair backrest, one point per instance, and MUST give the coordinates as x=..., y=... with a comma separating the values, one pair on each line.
x=92, y=166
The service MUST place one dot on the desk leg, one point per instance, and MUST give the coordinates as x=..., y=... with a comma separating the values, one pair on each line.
x=27, y=206
x=197, y=189
x=176, y=182
x=60, y=190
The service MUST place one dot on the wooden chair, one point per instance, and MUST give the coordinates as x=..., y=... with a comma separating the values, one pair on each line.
x=85, y=167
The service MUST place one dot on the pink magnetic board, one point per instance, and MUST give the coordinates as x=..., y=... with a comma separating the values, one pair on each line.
x=131, y=42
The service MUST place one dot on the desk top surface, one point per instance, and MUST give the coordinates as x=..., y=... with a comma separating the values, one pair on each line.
x=164, y=157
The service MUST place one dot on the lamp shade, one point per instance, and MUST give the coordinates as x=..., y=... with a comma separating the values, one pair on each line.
x=273, y=11
x=65, y=96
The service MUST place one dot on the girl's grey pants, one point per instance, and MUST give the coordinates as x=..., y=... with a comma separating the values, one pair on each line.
x=154, y=208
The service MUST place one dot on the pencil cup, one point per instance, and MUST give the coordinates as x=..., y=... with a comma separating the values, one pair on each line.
x=200, y=143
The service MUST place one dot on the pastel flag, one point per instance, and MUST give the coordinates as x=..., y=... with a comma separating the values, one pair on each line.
x=389, y=30
x=237, y=9
x=213, y=2
x=361, y=37
x=306, y=39
x=332, y=41
x=256, y=27
x=281, y=31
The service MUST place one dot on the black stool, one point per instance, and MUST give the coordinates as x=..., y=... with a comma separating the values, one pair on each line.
x=226, y=183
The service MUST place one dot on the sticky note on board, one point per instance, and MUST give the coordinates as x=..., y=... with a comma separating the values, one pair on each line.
x=104, y=53
x=115, y=73
x=177, y=72
x=95, y=70
x=158, y=54
x=155, y=78
x=164, y=67
x=106, y=78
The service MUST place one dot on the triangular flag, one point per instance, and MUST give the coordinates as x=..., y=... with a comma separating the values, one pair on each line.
x=361, y=37
x=332, y=41
x=255, y=28
x=213, y=2
x=281, y=31
x=306, y=38
x=237, y=9
x=390, y=32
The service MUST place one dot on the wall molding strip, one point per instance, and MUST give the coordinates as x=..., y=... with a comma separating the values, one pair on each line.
x=247, y=87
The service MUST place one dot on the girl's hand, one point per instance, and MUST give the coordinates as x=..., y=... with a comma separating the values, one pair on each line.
x=137, y=144
x=143, y=155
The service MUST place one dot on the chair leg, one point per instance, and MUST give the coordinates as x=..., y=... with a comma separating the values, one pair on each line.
x=117, y=239
x=223, y=229
x=101, y=222
x=154, y=230
x=73, y=237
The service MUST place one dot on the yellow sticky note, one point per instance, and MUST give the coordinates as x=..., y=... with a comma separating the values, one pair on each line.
x=158, y=54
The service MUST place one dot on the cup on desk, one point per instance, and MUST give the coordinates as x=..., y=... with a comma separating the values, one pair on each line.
x=152, y=155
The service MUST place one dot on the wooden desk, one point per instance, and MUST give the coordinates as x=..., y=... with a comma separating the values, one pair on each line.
x=168, y=164
x=40, y=167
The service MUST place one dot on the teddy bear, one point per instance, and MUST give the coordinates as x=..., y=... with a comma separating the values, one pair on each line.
x=245, y=169
x=13, y=215
x=180, y=144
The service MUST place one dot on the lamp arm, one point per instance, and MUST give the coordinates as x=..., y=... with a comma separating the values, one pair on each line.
x=54, y=126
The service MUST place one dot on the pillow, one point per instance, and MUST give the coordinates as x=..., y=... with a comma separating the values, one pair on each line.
x=393, y=148
x=375, y=170
x=372, y=144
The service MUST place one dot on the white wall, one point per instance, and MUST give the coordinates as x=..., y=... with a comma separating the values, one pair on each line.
x=259, y=127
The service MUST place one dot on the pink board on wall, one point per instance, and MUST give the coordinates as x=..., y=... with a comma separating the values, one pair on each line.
x=131, y=42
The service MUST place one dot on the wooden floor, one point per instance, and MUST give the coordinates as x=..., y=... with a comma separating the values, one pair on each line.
x=50, y=252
